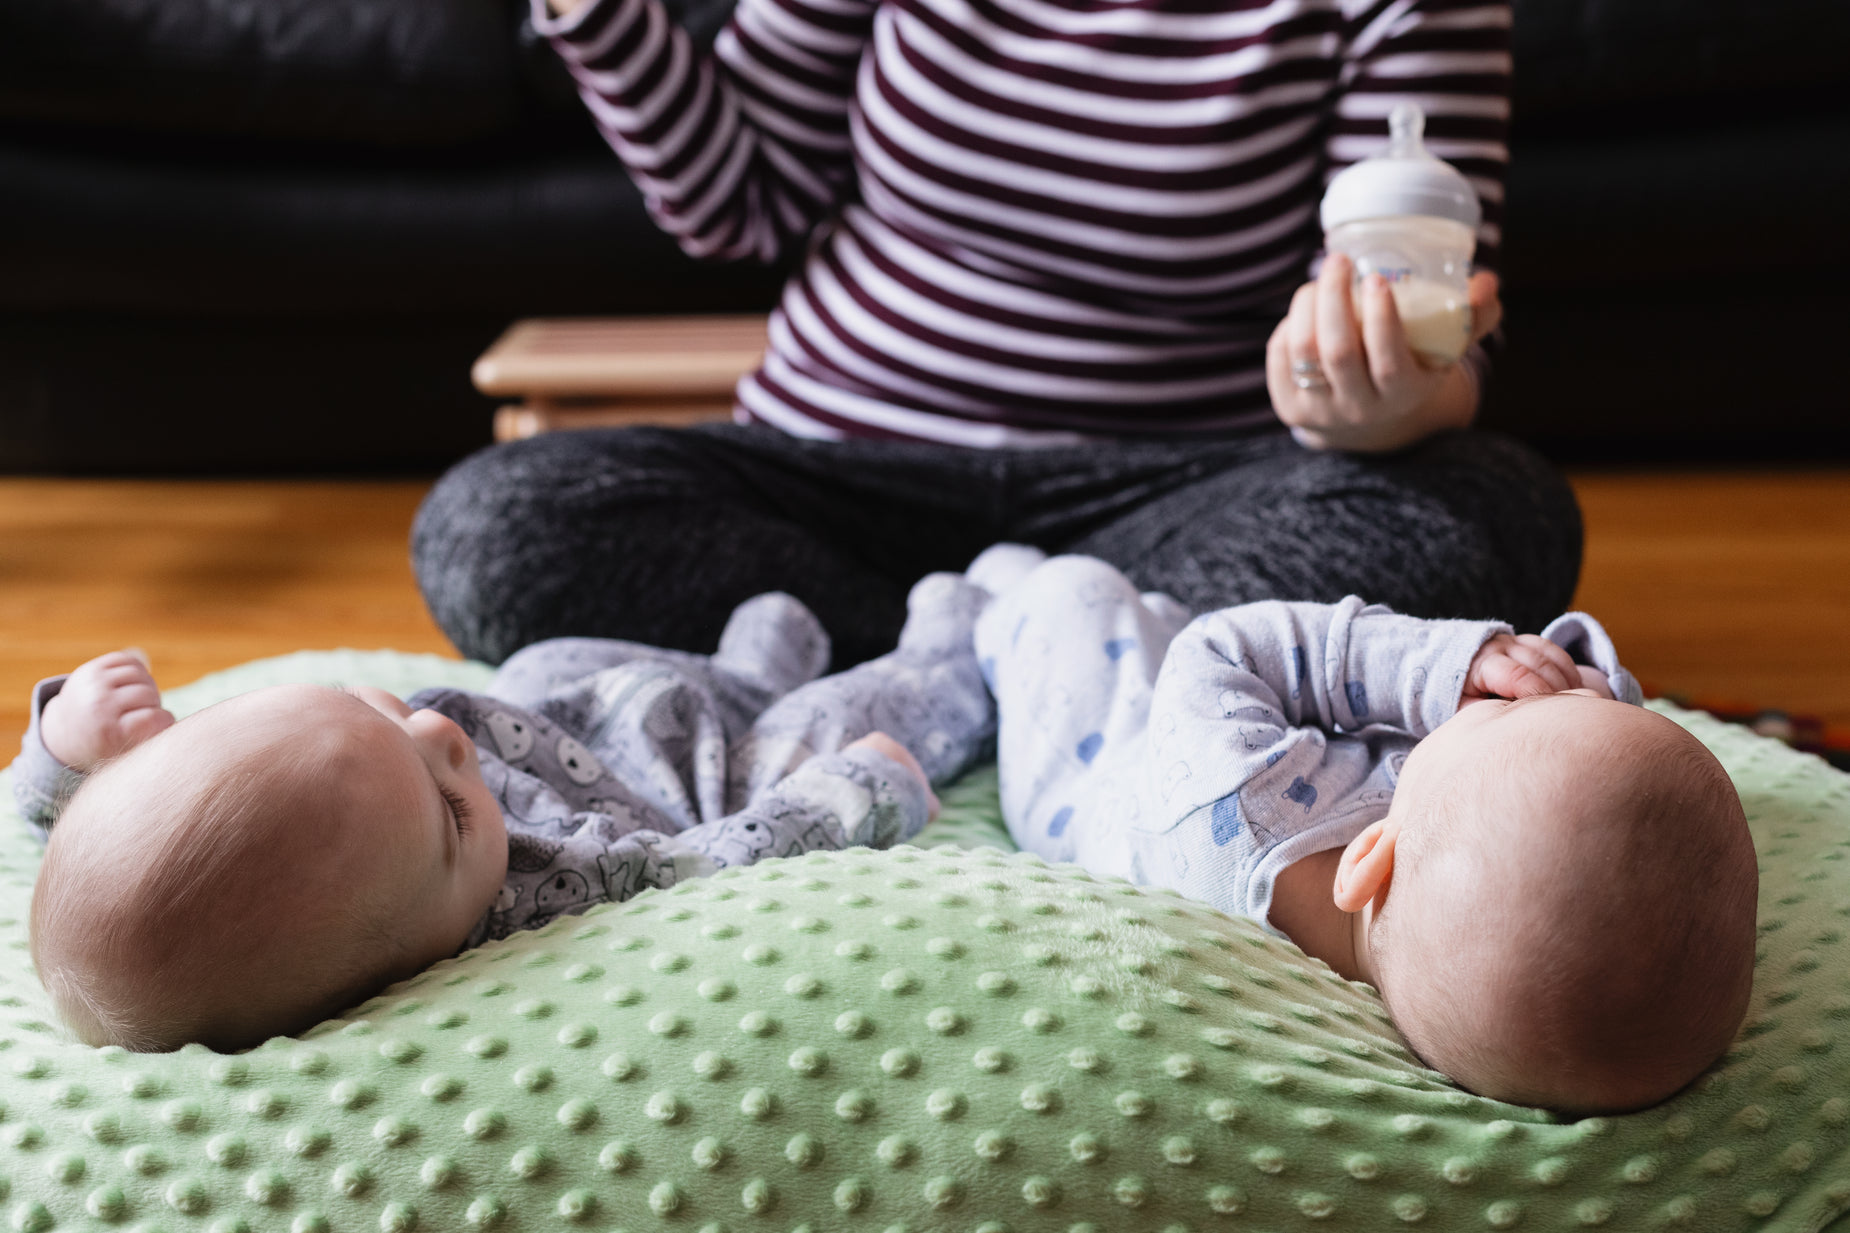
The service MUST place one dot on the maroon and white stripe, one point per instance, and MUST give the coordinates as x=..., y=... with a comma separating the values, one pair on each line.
x=1028, y=221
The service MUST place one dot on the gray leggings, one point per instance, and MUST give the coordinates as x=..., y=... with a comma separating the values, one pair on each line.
x=655, y=534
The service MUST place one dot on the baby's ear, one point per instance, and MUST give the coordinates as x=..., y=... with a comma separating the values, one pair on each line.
x=1366, y=865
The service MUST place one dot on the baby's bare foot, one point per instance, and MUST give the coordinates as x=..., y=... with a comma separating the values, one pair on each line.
x=880, y=742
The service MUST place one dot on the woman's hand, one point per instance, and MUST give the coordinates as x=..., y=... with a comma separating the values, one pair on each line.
x=1363, y=388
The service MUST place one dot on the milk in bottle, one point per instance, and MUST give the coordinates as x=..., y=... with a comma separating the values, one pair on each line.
x=1411, y=218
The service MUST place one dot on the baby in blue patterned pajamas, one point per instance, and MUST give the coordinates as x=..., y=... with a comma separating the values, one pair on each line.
x=270, y=860
x=1552, y=887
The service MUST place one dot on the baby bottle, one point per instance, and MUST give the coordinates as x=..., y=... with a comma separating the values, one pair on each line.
x=1411, y=218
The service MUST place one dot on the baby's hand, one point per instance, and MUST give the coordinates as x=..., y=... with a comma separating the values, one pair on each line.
x=107, y=707
x=880, y=742
x=1520, y=666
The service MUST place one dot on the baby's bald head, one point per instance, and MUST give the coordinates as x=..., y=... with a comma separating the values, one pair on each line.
x=1572, y=913
x=254, y=869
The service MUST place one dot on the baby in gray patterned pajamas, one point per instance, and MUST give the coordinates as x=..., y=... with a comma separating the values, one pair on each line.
x=1553, y=888
x=255, y=867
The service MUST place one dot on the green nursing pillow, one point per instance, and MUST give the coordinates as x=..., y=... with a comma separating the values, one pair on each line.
x=937, y=1038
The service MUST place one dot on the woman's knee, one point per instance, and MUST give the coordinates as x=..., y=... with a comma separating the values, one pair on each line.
x=506, y=532
x=1510, y=468
x=464, y=512
x=566, y=471
x=1462, y=525
x=1527, y=510
x=1496, y=525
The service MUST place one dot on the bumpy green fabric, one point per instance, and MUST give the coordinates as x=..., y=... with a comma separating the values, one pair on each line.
x=955, y=1039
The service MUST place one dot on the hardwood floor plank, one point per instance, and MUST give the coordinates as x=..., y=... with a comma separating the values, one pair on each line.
x=202, y=575
x=1721, y=586
x=1729, y=587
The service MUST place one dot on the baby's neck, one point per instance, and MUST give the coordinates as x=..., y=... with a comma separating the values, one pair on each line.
x=1303, y=908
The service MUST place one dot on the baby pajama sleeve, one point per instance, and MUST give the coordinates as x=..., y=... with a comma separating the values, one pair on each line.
x=1205, y=759
x=42, y=784
x=1278, y=731
x=1253, y=693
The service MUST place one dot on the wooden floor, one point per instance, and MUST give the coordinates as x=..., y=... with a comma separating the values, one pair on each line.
x=200, y=575
x=1722, y=586
x=1728, y=588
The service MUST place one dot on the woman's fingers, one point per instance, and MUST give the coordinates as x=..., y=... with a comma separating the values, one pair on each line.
x=1390, y=357
x=1294, y=372
x=1339, y=342
x=1285, y=400
x=1486, y=304
x=1300, y=330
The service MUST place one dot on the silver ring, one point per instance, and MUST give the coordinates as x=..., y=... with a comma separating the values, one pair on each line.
x=1308, y=375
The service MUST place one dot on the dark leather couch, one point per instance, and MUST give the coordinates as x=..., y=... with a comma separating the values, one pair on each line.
x=244, y=236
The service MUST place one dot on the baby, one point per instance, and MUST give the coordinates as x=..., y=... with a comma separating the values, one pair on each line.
x=251, y=869
x=1552, y=887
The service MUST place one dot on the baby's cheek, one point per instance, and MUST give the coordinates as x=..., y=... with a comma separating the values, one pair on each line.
x=490, y=842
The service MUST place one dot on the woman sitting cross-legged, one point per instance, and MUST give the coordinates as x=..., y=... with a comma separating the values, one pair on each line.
x=1048, y=257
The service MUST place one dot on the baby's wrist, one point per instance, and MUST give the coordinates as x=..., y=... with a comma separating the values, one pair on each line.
x=55, y=734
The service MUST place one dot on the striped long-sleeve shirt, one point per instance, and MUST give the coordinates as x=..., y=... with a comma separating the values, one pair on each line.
x=1028, y=221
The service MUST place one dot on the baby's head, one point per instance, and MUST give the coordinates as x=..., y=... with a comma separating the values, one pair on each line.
x=262, y=864
x=1570, y=915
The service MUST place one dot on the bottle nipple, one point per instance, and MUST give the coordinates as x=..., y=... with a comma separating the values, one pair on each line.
x=1406, y=128
x=1407, y=178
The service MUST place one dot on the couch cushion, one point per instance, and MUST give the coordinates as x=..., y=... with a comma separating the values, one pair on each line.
x=444, y=70
x=375, y=71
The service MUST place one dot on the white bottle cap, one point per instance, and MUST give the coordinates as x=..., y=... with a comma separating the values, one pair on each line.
x=1405, y=180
